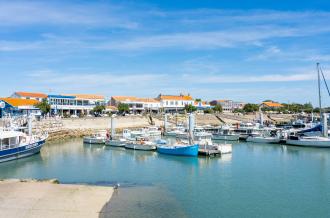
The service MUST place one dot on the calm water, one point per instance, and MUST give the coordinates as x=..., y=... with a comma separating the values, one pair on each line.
x=255, y=181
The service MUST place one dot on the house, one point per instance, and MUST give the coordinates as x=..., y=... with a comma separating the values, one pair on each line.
x=202, y=105
x=174, y=103
x=135, y=104
x=18, y=106
x=228, y=105
x=29, y=95
x=271, y=104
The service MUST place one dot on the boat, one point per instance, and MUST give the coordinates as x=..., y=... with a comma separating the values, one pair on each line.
x=225, y=134
x=309, y=141
x=116, y=142
x=247, y=129
x=16, y=144
x=141, y=145
x=97, y=138
x=300, y=139
x=198, y=134
x=263, y=139
x=178, y=149
x=176, y=131
x=153, y=131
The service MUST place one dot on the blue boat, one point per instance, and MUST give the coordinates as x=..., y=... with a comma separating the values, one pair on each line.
x=181, y=150
x=15, y=145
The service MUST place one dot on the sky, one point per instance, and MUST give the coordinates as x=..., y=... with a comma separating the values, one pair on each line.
x=241, y=50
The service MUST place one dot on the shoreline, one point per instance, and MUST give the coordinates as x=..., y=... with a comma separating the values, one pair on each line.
x=20, y=199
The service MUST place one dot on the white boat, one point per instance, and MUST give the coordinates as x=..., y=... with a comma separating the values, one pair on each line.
x=226, y=134
x=247, y=129
x=177, y=131
x=198, y=133
x=141, y=145
x=116, y=142
x=263, y=139
x=209, y=145
x=153, y=131
x=16, y=144
x=97, y=138
x=312, y=141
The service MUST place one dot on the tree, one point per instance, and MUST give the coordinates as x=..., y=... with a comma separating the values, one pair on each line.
x=198, y=100
x=250, y=108
x=190, y=108
x=217, y=108
x=43, y=106
x=123, y=107
x=98, y=109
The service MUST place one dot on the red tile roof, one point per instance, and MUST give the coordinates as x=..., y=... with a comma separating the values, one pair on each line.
x=31, y=94
x=16, y=102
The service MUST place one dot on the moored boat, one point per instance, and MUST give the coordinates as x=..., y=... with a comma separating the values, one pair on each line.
x=15, y=145
x=180, y=150
x=311, y=141
x=141, y=145
x=97, y=138
x=116, y=142
x=263, y=139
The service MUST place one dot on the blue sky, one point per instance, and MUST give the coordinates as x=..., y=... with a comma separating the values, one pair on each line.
x=241, y=50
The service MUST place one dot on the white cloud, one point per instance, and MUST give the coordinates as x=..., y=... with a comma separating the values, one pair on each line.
x=20, y=13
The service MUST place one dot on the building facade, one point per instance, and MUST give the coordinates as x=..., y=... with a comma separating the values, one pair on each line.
x=135, y=104
x=228, y=105
x=78, y=104
x=174, y=103
x=17, y=106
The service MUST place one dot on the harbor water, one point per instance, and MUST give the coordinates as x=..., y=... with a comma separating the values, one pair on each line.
x=256, y=180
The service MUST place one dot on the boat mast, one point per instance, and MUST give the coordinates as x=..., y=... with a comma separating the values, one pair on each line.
x=319, y=86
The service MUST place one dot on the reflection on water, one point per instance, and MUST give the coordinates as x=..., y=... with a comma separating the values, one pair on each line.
x=256, y=178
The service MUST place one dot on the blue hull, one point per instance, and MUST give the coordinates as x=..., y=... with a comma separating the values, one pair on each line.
x=22, y=151
x=191, y=150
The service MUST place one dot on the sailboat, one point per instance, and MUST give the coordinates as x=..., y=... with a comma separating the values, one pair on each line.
x=181, y=148
x=315, y=141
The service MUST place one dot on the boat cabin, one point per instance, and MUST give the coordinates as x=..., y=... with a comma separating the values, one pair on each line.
x=11, y=139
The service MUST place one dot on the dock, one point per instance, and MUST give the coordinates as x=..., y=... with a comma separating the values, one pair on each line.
x=31, y=198
x=209, y=152
x=221, y=149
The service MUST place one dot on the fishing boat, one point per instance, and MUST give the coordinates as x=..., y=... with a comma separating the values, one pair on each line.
x=141, y=145
x=268, y=136
x=16, y=144
x=247, y=129
x=178, y=149
x=198, y=134
x=226, y=134
x=97, y=138
x=176, y=131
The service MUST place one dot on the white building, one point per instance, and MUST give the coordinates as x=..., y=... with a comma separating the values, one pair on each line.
x=136, y=105
x=173, y=103
x=228, y=105
x=76, y=104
